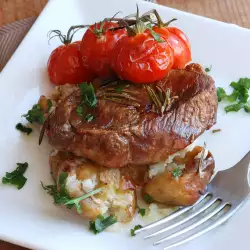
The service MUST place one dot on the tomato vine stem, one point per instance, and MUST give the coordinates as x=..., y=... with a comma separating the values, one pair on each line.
x=66, y=39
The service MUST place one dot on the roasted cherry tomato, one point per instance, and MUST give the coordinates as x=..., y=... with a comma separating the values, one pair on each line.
x=142, y=59
x=97, y=44
x=65, y=64
x=178, y=42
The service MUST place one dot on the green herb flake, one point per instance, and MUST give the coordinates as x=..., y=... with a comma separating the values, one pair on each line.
x=233, y=97
x=247, y=108
x=88, y=94
x=147, y=198
x=239, y=95
x=208, y=69
x=49, y=104
x=35, y=114
x=61, y=195
x=23, y=129
x=62, y=183
x=76, y=201
x=101, y=223
x=243, y=96
x=89, y=117
x=243, y=83
x=142, y=211
x=88, y=98
x=16, y=177
x=132, y=231
x=177, y=172
x=234, y=107
x=221, y=94
x=241, y=88
x=80, y=110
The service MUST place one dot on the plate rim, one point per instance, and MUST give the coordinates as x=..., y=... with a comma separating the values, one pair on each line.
x=24, y=242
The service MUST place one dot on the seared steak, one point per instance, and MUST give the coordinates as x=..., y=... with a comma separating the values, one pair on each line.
x=132, y=131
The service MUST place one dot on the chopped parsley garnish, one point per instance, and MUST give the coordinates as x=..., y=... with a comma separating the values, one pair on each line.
x=49, y=104
x=88, y=95
x=62, y=196
x=23, y=129
x=35, y=114
x=177, y=172
x=132, y=231
x=16, y=177
x=80, y=110
x=208, y=69
x=101, y=223
x=239, y=95
x=233, y=97
x=247, y=108
x=89, y=117
x=88, y=98
x=234, y=107
x=76, y=201
x=216, y=130
x=221, y=94
x=142, y=211
x=148, y=198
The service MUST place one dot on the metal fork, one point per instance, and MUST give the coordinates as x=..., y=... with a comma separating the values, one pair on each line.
x=224, y=196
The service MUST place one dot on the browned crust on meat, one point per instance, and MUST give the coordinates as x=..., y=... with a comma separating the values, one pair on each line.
x=122, y=135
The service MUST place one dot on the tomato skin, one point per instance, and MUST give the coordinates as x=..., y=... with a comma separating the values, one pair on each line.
x=178, y=42
x=96, y=50
x=180, y=34
x=65, y=65
x=141, y=59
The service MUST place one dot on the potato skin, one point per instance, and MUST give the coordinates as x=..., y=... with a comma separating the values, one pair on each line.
x=184, y=190
x=118, y=196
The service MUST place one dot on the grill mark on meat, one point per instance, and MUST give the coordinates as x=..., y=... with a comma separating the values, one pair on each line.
x=122, y=135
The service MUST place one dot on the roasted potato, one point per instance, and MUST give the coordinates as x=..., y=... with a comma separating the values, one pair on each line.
x=183, y=181
x=118, y=196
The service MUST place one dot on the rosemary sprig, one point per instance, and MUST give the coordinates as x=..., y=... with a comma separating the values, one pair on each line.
x=114, y=90
x=161, y=99
x=119, y=95
x=160, y=91
x=117, y=91
x=168, y=101
x=122, y=101
x=154, y=97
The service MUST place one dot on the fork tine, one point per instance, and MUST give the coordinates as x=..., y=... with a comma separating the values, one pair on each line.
x=217, y=223
x=199, y=222
x=180, y=222
x=172, y=216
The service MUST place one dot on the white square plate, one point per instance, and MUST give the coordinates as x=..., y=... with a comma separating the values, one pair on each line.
x=28, y=217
